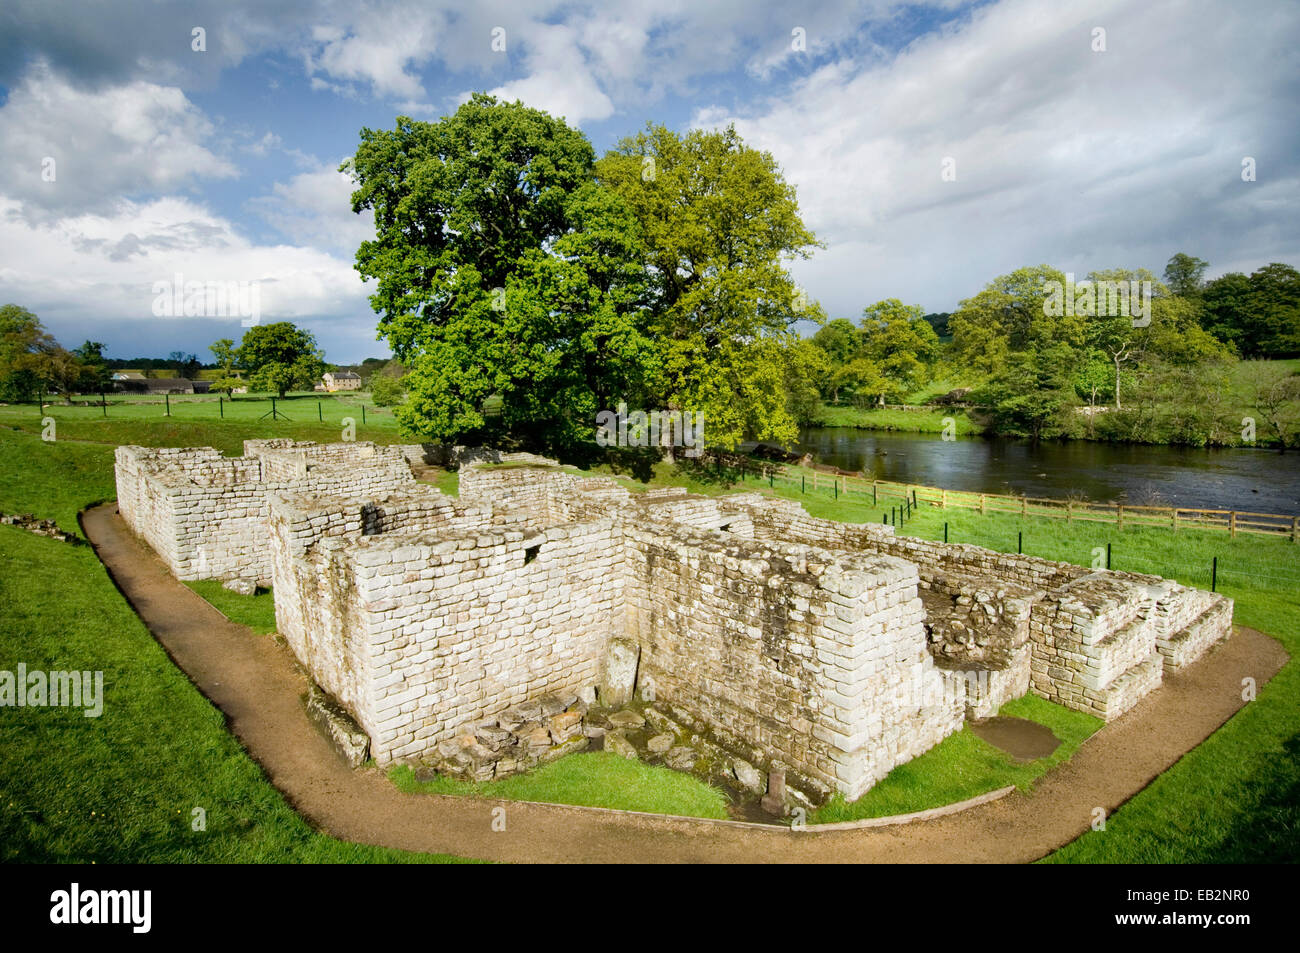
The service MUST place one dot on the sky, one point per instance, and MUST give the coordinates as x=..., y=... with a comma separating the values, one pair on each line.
x=933, y=146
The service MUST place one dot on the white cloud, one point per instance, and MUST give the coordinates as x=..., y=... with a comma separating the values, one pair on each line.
x=122, y=140
x=315, y=208
x=106, y=265
x=1080, y=159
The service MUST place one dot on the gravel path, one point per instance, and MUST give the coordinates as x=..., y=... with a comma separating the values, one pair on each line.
x=258, y=686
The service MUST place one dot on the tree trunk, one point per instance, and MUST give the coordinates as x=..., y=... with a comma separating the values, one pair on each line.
x=1117, y=403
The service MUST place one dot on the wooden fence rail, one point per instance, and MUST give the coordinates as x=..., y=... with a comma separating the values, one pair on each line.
x=1121, y=514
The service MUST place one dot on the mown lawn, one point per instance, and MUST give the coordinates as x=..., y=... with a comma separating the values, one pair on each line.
x=123, y=787
x=963, y=766
x=256, y=611
x=160, y=749
x=590, y=779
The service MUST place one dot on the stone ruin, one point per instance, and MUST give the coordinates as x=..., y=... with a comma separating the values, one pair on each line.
x=474, y=634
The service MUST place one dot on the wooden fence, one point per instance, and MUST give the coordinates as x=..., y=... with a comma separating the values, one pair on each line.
x=1120, y=514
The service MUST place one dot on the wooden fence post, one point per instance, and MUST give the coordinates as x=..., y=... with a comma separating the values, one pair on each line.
x=981, y=504
x=943, y=504
x=1232, y=523
x=1069, y=510
x=1119, y=515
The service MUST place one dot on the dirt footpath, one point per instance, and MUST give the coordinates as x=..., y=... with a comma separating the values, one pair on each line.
x=256, y=684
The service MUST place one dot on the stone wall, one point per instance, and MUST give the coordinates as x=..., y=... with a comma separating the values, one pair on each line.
x=206, y=514
x=430, y=631
x=817, y=661
x=832, y=651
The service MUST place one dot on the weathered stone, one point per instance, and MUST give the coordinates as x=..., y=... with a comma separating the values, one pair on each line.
x=618, y=677
x=626, y=719
x=749, y=777
x=565, y=726
x=618, y=743
x=241, y=587
x=338, y=726
x=681, y=758
x=660, y=743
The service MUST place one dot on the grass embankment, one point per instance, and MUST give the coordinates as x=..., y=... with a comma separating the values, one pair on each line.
x=591, y=779
x=927, y=420
x=963, y=766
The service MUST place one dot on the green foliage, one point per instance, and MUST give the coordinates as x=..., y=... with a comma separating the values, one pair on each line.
x=386, y=391
x=280, y=357
x=1183, y=274
x=1259, y=315
x=718, y=222
x=502, y=269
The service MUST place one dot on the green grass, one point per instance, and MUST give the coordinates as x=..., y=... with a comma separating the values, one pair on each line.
x=160, y=748
x=256, y=611
x=883, y=418
x=592, y=779
x=122, y=788
x=963, y=766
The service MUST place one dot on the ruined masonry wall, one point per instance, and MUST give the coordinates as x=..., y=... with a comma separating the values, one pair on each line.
x=205, y=514
x=824, y=669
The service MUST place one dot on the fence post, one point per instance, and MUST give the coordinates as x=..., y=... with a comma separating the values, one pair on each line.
x=1295, y=528
x=363, y=419
x=814, y=481
x=1174, y=519
x=1119, y=516
x=803, y=483
x=1024, y=507
x=1069, y=510
x=221, y=407
x=873, y=492
x=837, y=489
x=943, y=503
x=104, y=400
x=1232, y=523
x=945, y=532
x=167, y=399
x=1214, y=575
x=1020, y=542
x=981, y=504
x=319, y=414
x=1108, y=555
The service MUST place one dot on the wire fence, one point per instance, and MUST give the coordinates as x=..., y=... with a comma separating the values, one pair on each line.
x=858, y=489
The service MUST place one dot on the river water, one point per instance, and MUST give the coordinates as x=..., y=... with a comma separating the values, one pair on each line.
x=1262, y=481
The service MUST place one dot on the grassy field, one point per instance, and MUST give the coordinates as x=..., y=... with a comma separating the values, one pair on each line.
x=593, y=779
x=256, y=611
x=909, y=421
x=123, y=787
x=1232, y=799
x=963, y=766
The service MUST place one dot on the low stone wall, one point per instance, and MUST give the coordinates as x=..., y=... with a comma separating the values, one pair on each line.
x=206, y=514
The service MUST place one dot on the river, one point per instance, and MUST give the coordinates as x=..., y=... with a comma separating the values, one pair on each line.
x=1262, y=481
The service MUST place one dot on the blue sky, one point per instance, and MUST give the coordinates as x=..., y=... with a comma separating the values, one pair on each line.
x=221, y=165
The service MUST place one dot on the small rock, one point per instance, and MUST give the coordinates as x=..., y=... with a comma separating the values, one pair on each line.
x=593, y=731
x=660, y=743
x=551, y=705
x=750, y=778
x=494, y=738
x=564, y=726
x=240, y=587
x=535, y=737
x=617, y=743
x=626, y=719
x=680, y=758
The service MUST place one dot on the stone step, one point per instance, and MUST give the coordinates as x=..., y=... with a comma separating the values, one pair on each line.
x=1191, y=642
